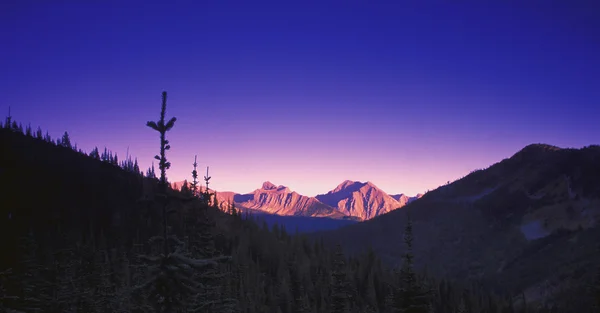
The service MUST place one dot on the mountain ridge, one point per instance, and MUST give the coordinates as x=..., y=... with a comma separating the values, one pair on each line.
x=363, y=200
x=349, y=200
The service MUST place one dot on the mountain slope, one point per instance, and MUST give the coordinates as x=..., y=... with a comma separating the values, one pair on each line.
x=527, y=223
x=281, y=200
x=362, y=200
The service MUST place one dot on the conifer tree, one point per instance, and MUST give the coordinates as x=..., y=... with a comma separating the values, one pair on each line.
x=136, y=167
x=215, y=202
x=47, y=138
x=170, y=286
x=207, y=194
x=28, y=131
x=151, y=173
x=195, y=178
x=411, y=298
x=94, y=154
x=104, y=156
x=66, y=141
x=39, y=134
x=185, y=190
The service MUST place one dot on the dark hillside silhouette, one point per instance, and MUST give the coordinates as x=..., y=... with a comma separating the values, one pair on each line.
x=527, y=225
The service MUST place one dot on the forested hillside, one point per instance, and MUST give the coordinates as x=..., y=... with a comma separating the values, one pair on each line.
x=86, y=233
x=527, y=225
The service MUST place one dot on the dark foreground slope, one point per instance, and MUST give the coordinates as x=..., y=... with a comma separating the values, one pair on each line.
x=54, y=190
x=527, y=224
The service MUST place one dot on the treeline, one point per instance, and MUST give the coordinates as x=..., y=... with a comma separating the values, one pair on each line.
x=162, y=250
x=129, y=164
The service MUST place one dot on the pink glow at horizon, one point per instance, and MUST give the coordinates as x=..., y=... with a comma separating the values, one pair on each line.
x=309, y=162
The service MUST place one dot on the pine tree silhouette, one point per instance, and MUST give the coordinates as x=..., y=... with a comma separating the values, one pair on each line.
x=66, y=141
x=411, y=298
x=39, y=134
x=194, y=186
x=170, y=286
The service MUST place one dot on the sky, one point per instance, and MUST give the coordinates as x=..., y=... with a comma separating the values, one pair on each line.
x=405, y=94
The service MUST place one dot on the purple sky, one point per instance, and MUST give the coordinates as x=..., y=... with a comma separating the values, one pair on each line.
x=308, y=94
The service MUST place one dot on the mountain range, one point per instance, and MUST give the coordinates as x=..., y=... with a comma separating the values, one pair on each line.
x=349, y=200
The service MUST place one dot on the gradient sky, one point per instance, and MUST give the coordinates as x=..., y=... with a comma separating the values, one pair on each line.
x=406, y=94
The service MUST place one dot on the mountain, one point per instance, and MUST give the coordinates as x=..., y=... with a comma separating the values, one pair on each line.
x=358, y=199
x=404, y=199
x=349, y=200
x=529, y=223
x=273, y=199
x=281, y=200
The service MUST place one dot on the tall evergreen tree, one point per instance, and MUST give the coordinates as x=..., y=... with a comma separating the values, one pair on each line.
x=151, y=173
x=104, y=156
x=185, y=189
x=412, y=297
x=66, y=141
x=47, y=137
x=170, y=287
x=195, y=178
x=94, y=154
x=136, y=167
x=207, y=195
